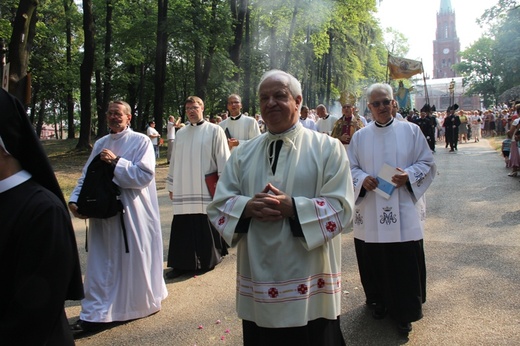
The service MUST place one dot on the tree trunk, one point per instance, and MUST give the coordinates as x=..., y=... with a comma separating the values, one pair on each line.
x=141, y=96
x=328, y=80
x=160, y=63
x=285, y=64
x=246, y=99
x=20, y=48
x=132, y=92
x=100, y=111
x=239, y=9
x=87, y=66
x=41, y=115
x=107, y=80
x=70, y=100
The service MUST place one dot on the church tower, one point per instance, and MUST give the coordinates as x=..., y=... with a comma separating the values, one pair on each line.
x=446, y=46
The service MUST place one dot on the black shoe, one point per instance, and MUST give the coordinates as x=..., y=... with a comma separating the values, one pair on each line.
x=452, y=150
x=88, y=327
x=175, y=273
x=404, y=328
x=379, y=311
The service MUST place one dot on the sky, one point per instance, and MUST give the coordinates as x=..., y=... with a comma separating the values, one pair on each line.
x=417, y=21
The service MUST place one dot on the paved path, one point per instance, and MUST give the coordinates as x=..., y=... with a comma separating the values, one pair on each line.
x=472, y=255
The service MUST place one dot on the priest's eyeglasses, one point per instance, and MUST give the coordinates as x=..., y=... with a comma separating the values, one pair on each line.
x=194, y=108
x=379, y=103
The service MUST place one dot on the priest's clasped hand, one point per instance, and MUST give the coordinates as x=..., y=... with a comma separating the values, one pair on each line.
x=271, y=204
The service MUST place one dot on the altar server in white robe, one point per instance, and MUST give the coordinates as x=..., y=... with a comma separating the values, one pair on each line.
x=200, y=150
x=388, y=233
x=238, y=126
x=283, y=199
x=326, y=121
x=121, y=286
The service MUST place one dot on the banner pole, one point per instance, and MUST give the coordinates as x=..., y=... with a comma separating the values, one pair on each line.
x=425, y=86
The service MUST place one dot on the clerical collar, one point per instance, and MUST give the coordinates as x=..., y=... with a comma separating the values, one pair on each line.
x=236, y=118
x=386, y=124
x=14, y=180
x=325, y=118
x=112, y=132
x=198, y=124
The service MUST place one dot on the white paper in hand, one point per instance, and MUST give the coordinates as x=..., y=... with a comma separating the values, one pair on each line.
x=385, y=185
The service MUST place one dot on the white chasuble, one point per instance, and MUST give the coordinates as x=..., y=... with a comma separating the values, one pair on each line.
x=284, y=280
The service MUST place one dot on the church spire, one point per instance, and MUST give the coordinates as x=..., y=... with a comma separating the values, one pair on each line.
x=446, y=7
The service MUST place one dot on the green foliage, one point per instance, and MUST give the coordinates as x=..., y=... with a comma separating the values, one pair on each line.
x=478, y=69
x=334, y=47
x=491, y=65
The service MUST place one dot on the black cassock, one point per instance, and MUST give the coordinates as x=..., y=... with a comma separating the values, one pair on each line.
x=39, y=267
x=451, y=124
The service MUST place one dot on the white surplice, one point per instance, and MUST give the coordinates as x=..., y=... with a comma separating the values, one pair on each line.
x=243, y=128
x=121, y=286
x=400, y=218
x=326, y=125
x=284, y=280
x=197, y=151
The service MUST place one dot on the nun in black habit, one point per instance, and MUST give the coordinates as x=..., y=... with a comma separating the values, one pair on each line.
x=39, y=263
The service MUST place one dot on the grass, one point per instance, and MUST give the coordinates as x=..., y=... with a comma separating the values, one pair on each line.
x=68, y=162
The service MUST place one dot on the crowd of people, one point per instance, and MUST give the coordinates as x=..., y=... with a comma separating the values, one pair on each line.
x=234, y=180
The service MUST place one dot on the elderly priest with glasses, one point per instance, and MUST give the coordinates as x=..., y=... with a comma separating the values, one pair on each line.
x=392, y=167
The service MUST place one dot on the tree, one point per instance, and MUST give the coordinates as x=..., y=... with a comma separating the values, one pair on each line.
x=20, y=49
x=507, y=39
x=478, y=67
x=160, y=62
x=86, y=69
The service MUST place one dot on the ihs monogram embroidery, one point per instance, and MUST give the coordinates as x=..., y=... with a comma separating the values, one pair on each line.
x=358, y=218
x=419, y=177
x=388, y=216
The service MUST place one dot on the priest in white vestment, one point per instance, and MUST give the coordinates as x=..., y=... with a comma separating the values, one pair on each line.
x=200, y=150
x=121, y=286
x=283, y=199
x=388, y=228
x=238, y=127
x=326, y=121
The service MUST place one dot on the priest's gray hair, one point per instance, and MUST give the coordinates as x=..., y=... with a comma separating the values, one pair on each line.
x=293, y=84
x=126, y=106
x=380, y=87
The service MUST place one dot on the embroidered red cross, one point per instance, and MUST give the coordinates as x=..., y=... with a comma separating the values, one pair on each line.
x=273, y=292
x=302, y=288
x=331, y=226
x=321, y=283
x=221, y=220
x=320, y=203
